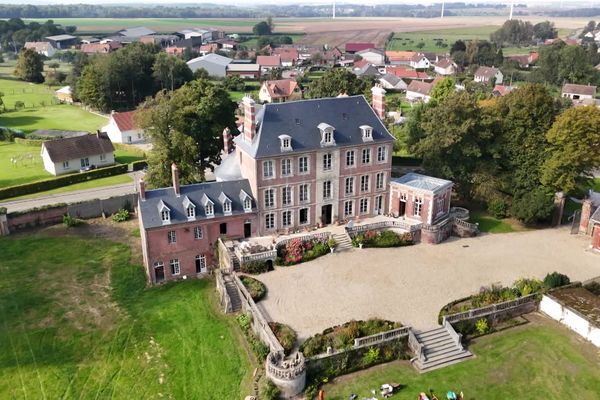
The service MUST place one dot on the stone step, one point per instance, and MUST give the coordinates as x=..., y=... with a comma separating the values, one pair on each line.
x=440, y=347
x=434, y=339
x=449, y=359
x=432, y=332
x=442, y=353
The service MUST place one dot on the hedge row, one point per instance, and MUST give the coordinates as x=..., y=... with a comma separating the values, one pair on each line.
x=406, y=161
x=29, y=142
x=48, y=184
x=139, y=165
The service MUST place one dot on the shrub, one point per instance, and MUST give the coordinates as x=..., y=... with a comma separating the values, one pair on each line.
x=256, y=288
x=19, y=105
x=270, y=391
x=121, y=216
x=556, y=279
x=254, y=267
x=593, y=287
x=139, y=165
x=70, y=222
x=497, y=208
x=371, y=356
x=285, y=335
x=260, y=349
x=245, y=321
x=297, y=251
x=382, y=239
x=526, y=287
x=481, y=326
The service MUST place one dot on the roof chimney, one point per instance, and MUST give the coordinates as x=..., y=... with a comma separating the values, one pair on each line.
x=175, y=174
x=379, y=100
x=227, y=145
x=586, y=214
x=249, y=118
x=142, y=189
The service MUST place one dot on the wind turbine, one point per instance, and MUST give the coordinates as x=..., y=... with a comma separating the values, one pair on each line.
x=512, y=5
x=333, y=14
x=442, y=16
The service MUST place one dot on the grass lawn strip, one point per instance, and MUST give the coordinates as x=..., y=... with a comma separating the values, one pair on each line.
x=78, y=322
x=539, y=360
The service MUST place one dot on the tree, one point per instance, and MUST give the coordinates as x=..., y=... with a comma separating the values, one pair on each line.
x=30, y=66
x=54, y=66
x=534, y=206
x=574, y=66
x=274, y=74
x=459, y=45
x=171, y=72
x=443, y=89
x=575, y=148
x=234, y=83
x=93, y=87
x=186, y=127
x=545, y=30
x=262, y=29
x=335, y=81
x=513, y=32
x=271, y=24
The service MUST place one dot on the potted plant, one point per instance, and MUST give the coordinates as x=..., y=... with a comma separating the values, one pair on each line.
x=331, y=243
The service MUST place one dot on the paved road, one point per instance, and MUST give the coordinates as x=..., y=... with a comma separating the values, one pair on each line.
x=70, y=197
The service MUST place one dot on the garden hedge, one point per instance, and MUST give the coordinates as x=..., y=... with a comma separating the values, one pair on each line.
x=406, y=161
x=139, y=165
x=49, y=184
x=29, y=142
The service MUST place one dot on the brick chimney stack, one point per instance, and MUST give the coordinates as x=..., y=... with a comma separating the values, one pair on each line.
x=227, y=145
x=249, y=118
x=379, y=100
x=586, y=214
x=175, y=174
x=142, y=189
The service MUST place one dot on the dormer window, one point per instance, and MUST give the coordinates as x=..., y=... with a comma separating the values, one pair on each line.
x=190, y=208
x=227, y=207
x=367, y=133
x=246, y=201
x=285, y=142
x=327, y=138
x=165, y=212
x=209, y=206
x=191, y=212
x=225, y=203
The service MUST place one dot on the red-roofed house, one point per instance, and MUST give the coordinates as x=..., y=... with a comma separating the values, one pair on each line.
x=121, y=128
x=407, y=73
x=268, y=63
x=288, y=55
x=356, y=47
x=501, y=90
x=399, y=57
x=279, y=91
x=525, y=60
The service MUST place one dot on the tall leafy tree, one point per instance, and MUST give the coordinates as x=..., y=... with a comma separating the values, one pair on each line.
x=443, y=89
x=171, y=72
x=30, y=66
x=335, y=81
x=93, y=87
x=262, y=29
x=545, y=30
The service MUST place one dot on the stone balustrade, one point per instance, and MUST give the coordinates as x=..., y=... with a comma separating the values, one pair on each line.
x=383, y=225
x=490, y=310
x=459, y=213
x=457, y=337
x=312, y=236
x=415, y=346
x=262, y=256
x=280, y=367
x=381, y=337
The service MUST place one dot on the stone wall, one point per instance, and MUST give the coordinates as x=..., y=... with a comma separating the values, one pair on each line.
x=569, y=317
x=224, y=299
x=36, y=217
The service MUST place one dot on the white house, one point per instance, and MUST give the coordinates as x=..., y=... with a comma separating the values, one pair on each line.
x=373, y=56
x=42, y=48
x=419, y=91
x=392, y=82
x=445, y=67
x=214, y=64
x=578, y=92
x=484, y=74
x=419, y=61
x=279, y=91
x=62, y=156
x=121, y=128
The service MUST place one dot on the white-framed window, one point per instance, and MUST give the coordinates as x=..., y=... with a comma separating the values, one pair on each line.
x=363, y=206
x=158, y=264
x=286, y=167
x=303, y=165
x=286, y=143
x=165, y=216
x=366, y=156
x=200, y=263
x=102, y=157
x=327, y=162
x=269, y=198
x=418, y=204
x=364, y=183
x=439, y=204
x=380, y=181
x=270, y=221
x=174, y=264
x=303, y=216
x=327, y=189
x=303, y=193
x=367, y=132
x=191, y=211
x=65, y=165
x=286, y=196
x=268, y=169
x=349, y=186
x=247, y=204
x=379, y=204
x=197, y=232
x=226, y=207
x=328, y=137
x=381, y=153
x=350, y=158
x=348, y=208
x=209, y=209
x=85, y=162
x=286, y=218
x=171, y=237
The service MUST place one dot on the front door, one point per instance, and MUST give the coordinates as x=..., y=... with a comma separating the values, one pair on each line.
x=200, y=264
x=326, y=212
x=247, y=229
x=402, y=208
x=379, y=205
x=159, y=274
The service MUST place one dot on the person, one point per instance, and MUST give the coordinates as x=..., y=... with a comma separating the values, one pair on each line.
x=321, y=394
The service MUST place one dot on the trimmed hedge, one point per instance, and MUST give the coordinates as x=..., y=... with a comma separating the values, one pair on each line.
x=49, y=184
x=406, y=161
x=139, y=165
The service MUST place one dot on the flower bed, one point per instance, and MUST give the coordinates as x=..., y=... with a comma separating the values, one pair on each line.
x=297, y=251
x=342, y=336
x=285, y=335
x=385, y=238
x=256, y=288
x=254, y=267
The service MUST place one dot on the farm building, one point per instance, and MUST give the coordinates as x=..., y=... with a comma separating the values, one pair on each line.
x=578, y=92
x=214, y=64
x=246, y=70
x=419, y=91
x=43, y=48
x=484, y=74
x=62, y=41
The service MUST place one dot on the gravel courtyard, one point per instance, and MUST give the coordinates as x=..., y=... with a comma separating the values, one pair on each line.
x=411, y=284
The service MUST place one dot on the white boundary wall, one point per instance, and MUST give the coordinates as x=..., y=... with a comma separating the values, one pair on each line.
x=570, y=318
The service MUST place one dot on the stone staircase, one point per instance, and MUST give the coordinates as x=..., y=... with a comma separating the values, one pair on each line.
x=343, y=242
x=234, y=294
x=441, y=347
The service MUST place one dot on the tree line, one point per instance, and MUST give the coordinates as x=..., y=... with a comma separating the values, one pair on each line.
x=15, y=32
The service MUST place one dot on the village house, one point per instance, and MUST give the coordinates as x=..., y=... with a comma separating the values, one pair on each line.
x=62, y=42
x=373, y=56
x=279, y=91
x=179, y=225
x=502, y=90
x=392, y=82
x=419, y=91
x=484, y=74
x=352, y=48
x=407, y=73
x=445, y=67
x=399, y=57
x=367, y=69
x=525, y=60
x=267, y=63
x=63, y=156
x=419, y=61
x=578, y=92
x=100, y=48
x=245, y=70
x=288, y=55
x=121, y=128
x=64, y=94
x=214, y=64
x=43, y=48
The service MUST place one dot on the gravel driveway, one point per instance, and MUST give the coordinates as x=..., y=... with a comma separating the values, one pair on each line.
x=411, y=284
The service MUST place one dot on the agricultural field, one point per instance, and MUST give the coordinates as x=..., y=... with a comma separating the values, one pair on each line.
x=79, y=322
x=519, y=363
x=252, y=42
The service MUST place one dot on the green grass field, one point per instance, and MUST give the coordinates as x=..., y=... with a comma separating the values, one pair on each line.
x=251, y=43
x=60, y=116
x=76, y=322
x=490, y=224
x=531, y=362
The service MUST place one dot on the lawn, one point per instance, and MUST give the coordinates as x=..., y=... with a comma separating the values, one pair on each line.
x=541, y=361
x=29, y=168
x=252, y=42
x=78, y=323
x=490, y=224
x=60, y=116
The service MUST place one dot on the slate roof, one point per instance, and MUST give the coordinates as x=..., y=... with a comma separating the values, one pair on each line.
x=77, y=147
x=579, y=89
x=367, y=70
x=197, y=194
x=136, y=32
x=300, y=120
x=423, y=182
x=391, y=79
